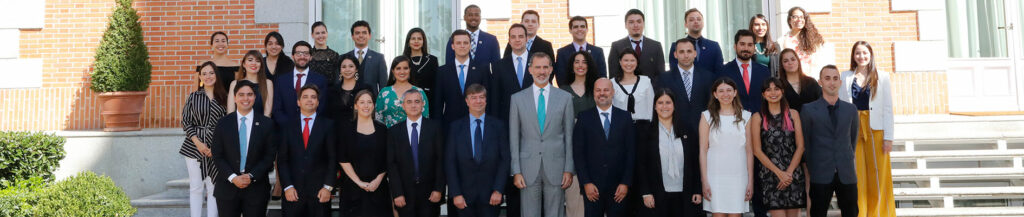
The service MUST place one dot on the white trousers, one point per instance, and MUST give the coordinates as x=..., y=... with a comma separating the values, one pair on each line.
x=196, y=184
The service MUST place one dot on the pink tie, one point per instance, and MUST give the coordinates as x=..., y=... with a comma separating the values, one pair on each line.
x=746, y=77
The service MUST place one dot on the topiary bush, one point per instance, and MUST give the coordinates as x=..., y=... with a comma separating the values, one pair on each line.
x=85, y=194
x=122, y=59
x=26, y=154
x=17, y=198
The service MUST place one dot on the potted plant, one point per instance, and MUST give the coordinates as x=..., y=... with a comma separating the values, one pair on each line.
x=121, y=71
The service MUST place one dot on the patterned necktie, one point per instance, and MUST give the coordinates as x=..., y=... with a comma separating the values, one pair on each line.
x=478, y=135
x=305, y=133
x=541, y=112
x=472, y=50
x=686, y=84
x=243, y=143
x=415, y=143
x=519, y=70
x=637, y=48
x=462, y=78
x=607, y=124
x=360, y=56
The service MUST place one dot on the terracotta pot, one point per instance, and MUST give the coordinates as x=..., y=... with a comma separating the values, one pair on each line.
x=122, y=110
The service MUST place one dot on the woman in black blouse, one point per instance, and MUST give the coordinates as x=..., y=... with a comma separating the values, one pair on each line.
x=325, y=61
x=800, y=89
x=424, y=65
x=668, y=165
x=276, y=61
x=226, y=67
x=340, y=95
x=199, y=116
x=363, y=159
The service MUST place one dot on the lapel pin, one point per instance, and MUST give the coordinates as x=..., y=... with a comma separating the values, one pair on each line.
x=257, y=123
x=472, y=68
x=684, y=136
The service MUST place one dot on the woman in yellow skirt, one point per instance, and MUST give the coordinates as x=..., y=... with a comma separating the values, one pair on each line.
x=869, y=90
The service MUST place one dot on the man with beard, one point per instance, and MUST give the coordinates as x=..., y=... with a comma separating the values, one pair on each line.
x=749, y=76
x=288, y=85
x=604, y=153
x=650, y=58
x=709, y=53
x=484, y=46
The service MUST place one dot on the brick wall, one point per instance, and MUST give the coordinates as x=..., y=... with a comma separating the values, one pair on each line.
x=554, y=21
x=177, y=33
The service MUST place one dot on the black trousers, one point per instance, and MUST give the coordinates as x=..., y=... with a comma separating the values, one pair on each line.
x=673, y=204
x=479, y=207
x=245, y=203
x=512, y=202
x=821, y=197
x=306, y=206
x=605, y=204
x=417, y=202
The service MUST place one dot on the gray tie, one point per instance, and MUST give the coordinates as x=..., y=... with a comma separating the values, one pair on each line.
x=687, y=84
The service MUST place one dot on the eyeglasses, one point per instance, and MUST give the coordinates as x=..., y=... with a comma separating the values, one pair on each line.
x=300, y=53
x=795, y=17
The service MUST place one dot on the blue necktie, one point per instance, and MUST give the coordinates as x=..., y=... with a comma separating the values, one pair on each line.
x=541, y=113
x=415, y=143
x=519, y=70
x=607, y=124
x=529, y=44
x=478, y=135
x=462, y=78
x=243, y=143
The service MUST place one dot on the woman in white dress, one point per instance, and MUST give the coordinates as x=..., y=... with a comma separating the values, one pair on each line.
x=725, y=155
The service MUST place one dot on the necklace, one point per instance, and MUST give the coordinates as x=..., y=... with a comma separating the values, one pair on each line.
x=414, y=62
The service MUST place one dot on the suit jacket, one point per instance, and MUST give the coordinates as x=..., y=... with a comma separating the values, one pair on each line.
x=261, y=151
x=563, y=65
x=880, y=105
x=752, y=100
x=475, y=181
x=650, y=63
x=539, y=45
x=604, y=161
x=709, y=55
x=286, y=106
x=689, y=109
x=529, y=146
x=486, y=49
x=450, y=101
x=308, y=167
x=504, y=83
x=830, y=147
x=650, y=180
x=402, y=172
x=374, y=69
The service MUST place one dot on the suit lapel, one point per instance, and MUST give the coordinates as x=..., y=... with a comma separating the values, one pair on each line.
x=252, y=146
x=316, y=134
x=531, y=112
x=548, y=108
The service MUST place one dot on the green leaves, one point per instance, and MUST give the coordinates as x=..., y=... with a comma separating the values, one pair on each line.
x=122, y=59
x=25, y=154
x=85, y=194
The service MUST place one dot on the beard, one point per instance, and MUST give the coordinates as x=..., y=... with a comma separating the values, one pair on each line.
x=745, y=55
x=302, y=66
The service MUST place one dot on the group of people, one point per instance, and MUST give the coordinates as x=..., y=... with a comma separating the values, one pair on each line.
x=577, y=134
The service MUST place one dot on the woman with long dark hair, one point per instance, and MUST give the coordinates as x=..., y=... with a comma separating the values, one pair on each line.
x=226, y=67
x=810, y=46
x=799, y=88
x=199, y=116
x=363, y=159
x=766, y=48
x=423, y=64
x=726, y=163
x=668, y=166
x=341, y=94
x=634, y=92
x=779, y=146
x=276, y=61
x=581, y=83
x=389, y=102
x=253, y=71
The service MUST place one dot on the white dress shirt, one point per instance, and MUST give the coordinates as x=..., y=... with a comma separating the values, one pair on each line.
x=644, y=98
x=671, y=151
x=365, y=50
x=248, y=134
x=295, y=76
x=537, y=94
x=465, y=69
x=578, y=46
x=687, y=79
x=600, y=113
x=408, y=127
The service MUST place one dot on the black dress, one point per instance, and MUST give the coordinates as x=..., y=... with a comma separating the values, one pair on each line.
x=326, y=62
x=225, y=75
x=424, y=73
x=199, y=117
x=810, y=91
x=780, y=145
x=368, y=156
x=284, y=64
x=340, y=101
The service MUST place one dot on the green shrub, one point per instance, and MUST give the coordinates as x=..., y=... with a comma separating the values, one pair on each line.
x=85, y=194
x=25, y=154
x=122, y=59
x=17, y=198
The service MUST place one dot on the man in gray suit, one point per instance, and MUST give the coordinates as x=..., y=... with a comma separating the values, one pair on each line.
x=830, y=132
x=373, y=67
x=650, y=56
x=540, y=134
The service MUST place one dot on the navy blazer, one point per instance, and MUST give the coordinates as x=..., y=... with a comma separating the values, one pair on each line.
x=486, y=49
x=504, y=83
x=649, y=177
x=476, y=182
x=262, y=150
x=450, y=100
x=752, y=100
x=830, y=147
x=689, y=109
x=539, y=45
x=374, y=69
x=709, y=55
x=286, y=106
x=604, y=162
x=402, y=172
x=563, y=65
x=308, y=166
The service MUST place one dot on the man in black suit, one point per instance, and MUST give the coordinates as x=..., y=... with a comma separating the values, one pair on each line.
x=690, y=84
x=651, y=57
x=306, y=159
x=830, y=130
x=709, y=53
x=454, y=77
x=415, y=160
x=748, y=75
x=604, y=151
x=531, y=19
x=285, y=109
x=477, y=159
x=578, y=28
x=510, y=74
x=243, y=149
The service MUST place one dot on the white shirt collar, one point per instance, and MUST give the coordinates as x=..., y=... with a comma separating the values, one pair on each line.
x=248, y=117
x=523, y=55
x=576, y=46
x=681, y=69
x=457, y=63
x=311, y=120
x=365, y=50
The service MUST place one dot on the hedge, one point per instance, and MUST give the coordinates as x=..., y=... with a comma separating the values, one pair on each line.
x=85, y=194
x=27, y=154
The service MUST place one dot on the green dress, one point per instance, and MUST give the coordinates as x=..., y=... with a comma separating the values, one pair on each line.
x=389, y=106
x=580, y=103
x=760, y=56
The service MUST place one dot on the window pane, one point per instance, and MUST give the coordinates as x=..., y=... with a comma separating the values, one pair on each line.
x=974, y=28
x=664, y=21
x=339, y=16
x=724, y=18
x=435, y=18
x=391, y=24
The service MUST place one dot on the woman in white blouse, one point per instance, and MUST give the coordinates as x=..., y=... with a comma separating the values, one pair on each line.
x=668, y=166
x=633, y=92
x=804, y=38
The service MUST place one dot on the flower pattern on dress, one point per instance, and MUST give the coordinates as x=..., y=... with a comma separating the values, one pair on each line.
x=388, y=109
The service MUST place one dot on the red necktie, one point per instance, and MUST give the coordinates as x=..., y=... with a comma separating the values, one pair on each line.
x=305, y=133
x=637, y=49
x=581, y=48
x=746, y=77
x=298, y=82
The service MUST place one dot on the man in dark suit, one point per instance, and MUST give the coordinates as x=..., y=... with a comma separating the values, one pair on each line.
x=510, y=74
x=285, y=109
x=690, y=85
x=484, y=46
x=830, y=131
x=709, y=53
x=373, y=69
x=604, y=151
x=243, y=149
x=454, y=77
x=306, y=159
x=748, y=75
x=651, y=57
x=531, y=19
x=477, y=159
x=415, y=160
x=578, y=29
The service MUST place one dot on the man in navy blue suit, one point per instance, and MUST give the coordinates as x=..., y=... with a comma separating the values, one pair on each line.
x=531, y=19
x=510, y=75
x=285, y=109
x=306, y=159
x=604, y=152
x=578, y=28
x=748, y=75
x=244, y=148
x=709, y=53
x=477, y=159
x=454, y=77
x=484, y=46
x=690, y=84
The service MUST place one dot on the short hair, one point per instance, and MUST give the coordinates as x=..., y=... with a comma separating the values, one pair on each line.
x=635, y=11
x=310, y=87
x=411, y=91
x=578, y=18
x=301, y=44
x=215, y=35
x=317, y=24
x=359, y=23
x=244, y=83
x=516, y=25
x=529, y=12
x=470, y=6
x=743, y=33
x=829, y=66
x=535, y=55
x=460, y=32
x=475, y=89
x=691, y=10
x=685, y=40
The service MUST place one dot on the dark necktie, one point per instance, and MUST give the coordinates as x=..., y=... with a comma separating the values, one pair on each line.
x=637, y=48
x=478, y=135
x=415, y=143
x=607, y=124
x=298, y=82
